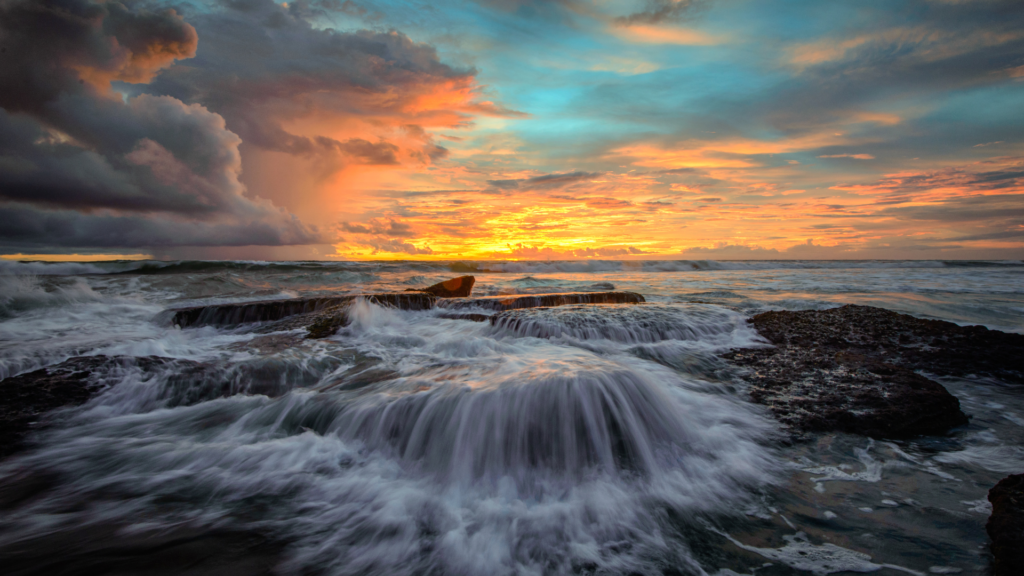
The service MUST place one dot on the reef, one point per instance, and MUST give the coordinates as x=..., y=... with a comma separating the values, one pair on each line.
x=862, y=370
x=934, y=346
x=1006, y=525
x=27, y=400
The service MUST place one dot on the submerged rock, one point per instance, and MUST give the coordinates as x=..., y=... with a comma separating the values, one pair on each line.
x=460, y=287
x=1006, y=525
x=851, y=369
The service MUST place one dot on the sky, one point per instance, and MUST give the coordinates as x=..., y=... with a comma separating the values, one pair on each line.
x=512, y=129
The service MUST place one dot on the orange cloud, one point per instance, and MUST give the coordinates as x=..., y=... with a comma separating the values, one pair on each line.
x=662, y=34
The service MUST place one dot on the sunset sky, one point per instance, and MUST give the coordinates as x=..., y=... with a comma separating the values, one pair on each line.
x=512, y=129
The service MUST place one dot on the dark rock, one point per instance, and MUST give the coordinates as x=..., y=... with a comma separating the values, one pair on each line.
x=1006, y=526
x=821, y=390
x=27, y=398
x=852, y=369
x=270, y=310
x=460, y=287
x=931, y=345
x=501, y=303
x=329, y=322
x=117, y=550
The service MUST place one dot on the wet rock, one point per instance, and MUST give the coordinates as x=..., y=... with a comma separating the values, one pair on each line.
x=930, y=345
x=26, y=399
x=460, y=287
x=852, y=369
x=822, y=390
x=328, y=322
x=1006, y=526
x=117, y=550
x=270, y=310
x=501, y=303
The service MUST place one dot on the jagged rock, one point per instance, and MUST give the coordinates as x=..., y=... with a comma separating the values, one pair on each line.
x=851, y=369
x=1006, y=526
x=931, y=345
x=501, y=303
x=460, y=287
x=822, y=390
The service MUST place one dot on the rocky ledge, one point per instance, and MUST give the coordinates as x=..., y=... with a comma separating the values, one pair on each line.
x=1006, y=525
x=853, y=369
x=27, y=399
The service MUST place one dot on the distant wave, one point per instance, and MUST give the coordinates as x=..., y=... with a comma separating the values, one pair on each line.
x=584, y=266
x=153, y=267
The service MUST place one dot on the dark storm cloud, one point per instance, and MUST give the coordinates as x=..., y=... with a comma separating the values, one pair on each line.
x=60, y=48
x=261, y=64
x=28, y=227
x=81, y=166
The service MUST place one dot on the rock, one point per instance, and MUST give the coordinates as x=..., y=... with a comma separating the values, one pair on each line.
x=270, y=310
x=501, y=303
x=852, y=369
x=26, y=398
x=821, y=390
x=460, y=287
x=930, y=345
x=329, y=322
x=1006, y=525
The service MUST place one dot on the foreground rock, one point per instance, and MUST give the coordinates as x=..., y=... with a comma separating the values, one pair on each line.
x=851, y=369
x=26, y=399
x=1006, y=526
x=931, y=345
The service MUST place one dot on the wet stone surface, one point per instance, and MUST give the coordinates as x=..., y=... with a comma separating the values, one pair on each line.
x=26, y=399
x=1006, y=525
x=852, y=369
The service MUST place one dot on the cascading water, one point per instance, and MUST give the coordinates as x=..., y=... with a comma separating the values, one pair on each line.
x=580, y=439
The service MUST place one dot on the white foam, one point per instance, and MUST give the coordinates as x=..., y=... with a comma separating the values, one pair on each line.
x=799, y=553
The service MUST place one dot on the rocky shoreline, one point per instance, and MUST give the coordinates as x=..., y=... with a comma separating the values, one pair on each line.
x=852, y=369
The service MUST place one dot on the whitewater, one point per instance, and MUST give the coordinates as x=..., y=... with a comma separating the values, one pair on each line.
x=553, y=441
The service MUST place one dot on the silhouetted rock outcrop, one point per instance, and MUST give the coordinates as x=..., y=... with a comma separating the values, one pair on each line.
x=1006, y=526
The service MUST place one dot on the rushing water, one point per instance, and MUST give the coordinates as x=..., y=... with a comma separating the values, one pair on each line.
x=562, y=440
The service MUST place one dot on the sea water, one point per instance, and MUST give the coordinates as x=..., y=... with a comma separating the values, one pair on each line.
x=567, y=440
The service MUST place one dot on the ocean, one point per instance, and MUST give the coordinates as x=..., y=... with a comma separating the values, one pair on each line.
x=411, y=443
